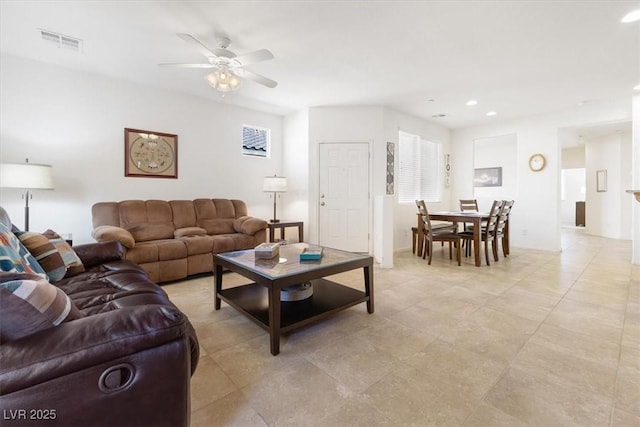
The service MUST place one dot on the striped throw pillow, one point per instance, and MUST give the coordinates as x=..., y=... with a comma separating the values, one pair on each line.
x=69, y=256
x=45, y=253
x=30, y=303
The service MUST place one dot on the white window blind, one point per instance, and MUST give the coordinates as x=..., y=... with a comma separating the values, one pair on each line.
x=419, y=170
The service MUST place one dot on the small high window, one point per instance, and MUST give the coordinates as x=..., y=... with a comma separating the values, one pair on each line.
x=256, y=141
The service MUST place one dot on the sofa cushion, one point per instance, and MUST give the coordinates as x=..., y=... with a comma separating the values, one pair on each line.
x=30, y=303
x=184, y=214
x=147, y=231
x=158, y=250
x=225, y=208
x=218, y=225
x=198, y=244
x=45, y=253
x=14, y=257
x=69, y=256
x=147, y=219
x=105, y=233
x=223, y=243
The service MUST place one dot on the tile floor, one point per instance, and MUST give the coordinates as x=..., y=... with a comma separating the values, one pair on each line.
x=540, y=338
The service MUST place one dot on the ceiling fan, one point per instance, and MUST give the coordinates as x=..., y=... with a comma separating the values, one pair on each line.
x=229, y=67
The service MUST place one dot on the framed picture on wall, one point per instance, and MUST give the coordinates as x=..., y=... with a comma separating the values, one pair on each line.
x=390, y=167
x=601, y=181
x=487, y=177
x=150, y=154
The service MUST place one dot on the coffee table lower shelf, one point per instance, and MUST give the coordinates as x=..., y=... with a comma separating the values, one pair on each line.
x=328, y=297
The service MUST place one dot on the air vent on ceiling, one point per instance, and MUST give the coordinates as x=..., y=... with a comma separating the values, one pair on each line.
x=61, y=40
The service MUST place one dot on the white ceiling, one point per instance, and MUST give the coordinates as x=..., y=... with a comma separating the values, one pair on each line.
x=518, y=58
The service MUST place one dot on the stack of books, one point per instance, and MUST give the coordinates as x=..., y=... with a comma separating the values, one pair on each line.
x=311, y=253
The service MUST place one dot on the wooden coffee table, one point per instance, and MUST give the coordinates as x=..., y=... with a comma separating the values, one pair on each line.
x=260, y=301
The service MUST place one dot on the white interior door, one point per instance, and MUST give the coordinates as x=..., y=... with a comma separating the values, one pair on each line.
x=344, y=196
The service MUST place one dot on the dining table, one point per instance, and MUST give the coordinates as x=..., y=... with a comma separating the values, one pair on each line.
x=476, y=218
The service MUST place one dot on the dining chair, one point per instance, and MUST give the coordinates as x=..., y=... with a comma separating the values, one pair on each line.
x=444, y=234
x=437, y=225
x=468, y=205
x=501, y=229
x=488, y=232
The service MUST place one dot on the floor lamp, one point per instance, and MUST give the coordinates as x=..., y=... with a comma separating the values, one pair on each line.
x=275, y=184
x=28, y=176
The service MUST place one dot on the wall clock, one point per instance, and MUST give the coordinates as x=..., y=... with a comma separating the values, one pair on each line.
x=537, y=162
x=150, y=154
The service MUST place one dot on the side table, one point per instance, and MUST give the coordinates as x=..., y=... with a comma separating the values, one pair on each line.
x=285, y=224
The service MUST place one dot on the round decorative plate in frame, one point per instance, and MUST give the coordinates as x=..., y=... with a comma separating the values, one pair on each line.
x=150, y=154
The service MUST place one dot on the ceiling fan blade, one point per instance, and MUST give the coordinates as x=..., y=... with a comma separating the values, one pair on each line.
x=256, y=77
x=180, y=65
x=198, y=45
x=253, y=57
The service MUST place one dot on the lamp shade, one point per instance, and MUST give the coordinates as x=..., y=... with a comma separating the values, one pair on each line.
x=26, y=175
x=276, y=184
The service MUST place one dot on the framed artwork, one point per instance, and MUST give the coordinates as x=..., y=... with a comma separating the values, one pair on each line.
x=487, y=177
x=601, y=181
x=150, y=154
x=447, y=170
x=390, y=166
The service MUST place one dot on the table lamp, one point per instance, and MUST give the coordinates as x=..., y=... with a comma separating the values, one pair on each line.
x=28, y=176
x=275, y=184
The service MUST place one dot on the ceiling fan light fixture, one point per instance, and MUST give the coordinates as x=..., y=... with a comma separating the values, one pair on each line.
x=223, y=80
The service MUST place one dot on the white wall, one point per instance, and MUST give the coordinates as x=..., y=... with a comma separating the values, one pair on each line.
x=295, y=202
x=573, y=158
x=607, y=212
x=75, y=121
x=535, y=220
x=499, y=151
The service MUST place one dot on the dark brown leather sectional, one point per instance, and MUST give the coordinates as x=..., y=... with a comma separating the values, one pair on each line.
x=126, y=362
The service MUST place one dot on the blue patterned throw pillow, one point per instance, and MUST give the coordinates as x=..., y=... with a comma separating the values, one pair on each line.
x=15, y=257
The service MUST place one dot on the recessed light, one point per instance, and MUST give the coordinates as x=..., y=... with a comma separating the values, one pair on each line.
x=632, y=16
x=472, y=102
x=491, y=113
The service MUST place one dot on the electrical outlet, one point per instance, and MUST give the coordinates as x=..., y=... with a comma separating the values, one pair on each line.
x=524, y=231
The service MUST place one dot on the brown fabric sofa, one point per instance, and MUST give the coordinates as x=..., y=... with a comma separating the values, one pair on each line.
x=175, y=239
x=125, y=357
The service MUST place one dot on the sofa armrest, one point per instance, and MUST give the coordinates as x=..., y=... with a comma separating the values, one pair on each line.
x=106, y=233
x=94, y=254
x=86, y=342
x=249, y=225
